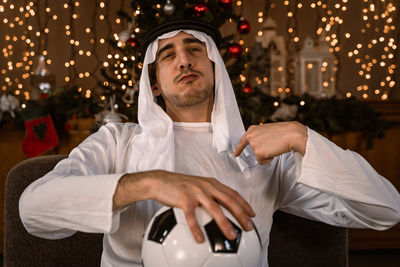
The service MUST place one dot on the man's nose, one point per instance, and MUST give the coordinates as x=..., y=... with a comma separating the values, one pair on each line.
x=184, y=61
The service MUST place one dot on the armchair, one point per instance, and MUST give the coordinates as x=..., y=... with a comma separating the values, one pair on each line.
x=294, y=241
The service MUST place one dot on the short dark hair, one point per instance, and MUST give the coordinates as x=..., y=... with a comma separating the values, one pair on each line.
x=182, y=24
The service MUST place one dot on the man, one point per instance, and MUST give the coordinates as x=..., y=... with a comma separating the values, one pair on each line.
x=196, y=152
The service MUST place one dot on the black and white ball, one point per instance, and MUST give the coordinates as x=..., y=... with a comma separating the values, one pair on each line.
x=169, y=242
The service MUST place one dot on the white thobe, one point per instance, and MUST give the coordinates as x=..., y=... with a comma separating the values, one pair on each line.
x=328, y=184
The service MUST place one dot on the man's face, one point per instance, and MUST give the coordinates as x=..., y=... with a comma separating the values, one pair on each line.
x=185, y=75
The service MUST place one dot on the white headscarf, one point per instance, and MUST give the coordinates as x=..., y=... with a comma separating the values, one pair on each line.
x=154, y=147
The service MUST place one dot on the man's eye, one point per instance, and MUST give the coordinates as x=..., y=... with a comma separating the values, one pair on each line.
x=195, y=49
x=167, y=55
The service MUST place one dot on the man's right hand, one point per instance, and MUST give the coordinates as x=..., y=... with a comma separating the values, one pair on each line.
x=186, y=192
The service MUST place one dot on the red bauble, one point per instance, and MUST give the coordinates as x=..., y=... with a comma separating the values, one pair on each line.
x=44, y=95
x=247, y=89
x=235, y=49
x=226, y=3
x=67, y=127
x=200, y=8
x=243, y=26
x=132, y=42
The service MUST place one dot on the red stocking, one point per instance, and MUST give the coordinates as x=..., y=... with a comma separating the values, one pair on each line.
x=40, y=134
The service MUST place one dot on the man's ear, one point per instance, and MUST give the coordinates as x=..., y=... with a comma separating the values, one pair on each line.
x=155, y=89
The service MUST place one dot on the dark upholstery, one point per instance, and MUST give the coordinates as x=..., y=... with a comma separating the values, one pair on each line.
x=294, y=241
x=23, y=249
x=298, y=242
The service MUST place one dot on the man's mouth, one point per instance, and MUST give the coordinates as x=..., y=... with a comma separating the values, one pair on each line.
x=188, y=78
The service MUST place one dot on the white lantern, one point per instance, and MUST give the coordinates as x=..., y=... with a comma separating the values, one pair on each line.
x=315, y=70
x=273, y=82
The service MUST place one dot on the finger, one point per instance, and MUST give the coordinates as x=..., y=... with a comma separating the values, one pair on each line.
x=238, y=207
x=241, y=145
x=194, y=225
x=265, y=161
x=236, y=197
x=215, y=211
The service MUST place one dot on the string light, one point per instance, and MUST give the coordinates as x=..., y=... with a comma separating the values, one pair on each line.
x=380, y=14
x=379, y=32
x=29, y=24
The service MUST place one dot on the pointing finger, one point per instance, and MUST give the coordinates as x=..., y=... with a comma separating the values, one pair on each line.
x=241, y=145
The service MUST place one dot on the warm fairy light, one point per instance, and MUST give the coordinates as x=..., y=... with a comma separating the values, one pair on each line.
x=378, y=26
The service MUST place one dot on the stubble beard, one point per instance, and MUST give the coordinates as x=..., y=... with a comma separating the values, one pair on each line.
x=194, y=96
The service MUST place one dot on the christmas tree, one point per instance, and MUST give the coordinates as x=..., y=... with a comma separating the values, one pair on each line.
x=121, y=72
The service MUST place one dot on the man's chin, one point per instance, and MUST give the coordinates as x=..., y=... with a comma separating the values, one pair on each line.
x=190, y=99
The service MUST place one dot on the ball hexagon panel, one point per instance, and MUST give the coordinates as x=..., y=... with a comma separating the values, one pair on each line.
x=218, y=242
x=162, y=226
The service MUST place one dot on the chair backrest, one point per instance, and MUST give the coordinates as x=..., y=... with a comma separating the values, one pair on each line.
x=24, y=249
x=298, y=242
x=294, y=241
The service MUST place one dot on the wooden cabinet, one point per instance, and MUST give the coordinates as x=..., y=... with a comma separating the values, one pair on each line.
x=384, y=157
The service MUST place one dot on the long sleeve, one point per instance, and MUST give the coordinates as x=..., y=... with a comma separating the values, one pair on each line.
x=336, y=186
x=77, y=194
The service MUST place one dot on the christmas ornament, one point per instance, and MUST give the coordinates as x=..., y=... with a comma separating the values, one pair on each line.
x=129, y=96
x=42, y=81
x=132, y=41
x=125, y=34
x=243, y=26
x=40, y=134
x=8, y=103
x=111, y=115
x=169, y=8
x=226, y=3
x=247, y=89
x=235, y=49
x=200, y=8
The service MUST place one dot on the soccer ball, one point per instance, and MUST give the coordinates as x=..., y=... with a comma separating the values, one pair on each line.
x=169, y=242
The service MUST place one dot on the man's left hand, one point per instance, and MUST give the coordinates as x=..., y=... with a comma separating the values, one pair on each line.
x=273, y=139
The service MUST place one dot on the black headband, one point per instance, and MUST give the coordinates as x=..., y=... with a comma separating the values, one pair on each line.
x=183, y=24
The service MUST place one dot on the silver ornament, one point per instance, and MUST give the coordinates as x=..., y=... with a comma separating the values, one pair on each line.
x=169, y=8
x=112, y=117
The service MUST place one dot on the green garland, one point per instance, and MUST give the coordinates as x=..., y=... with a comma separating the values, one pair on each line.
x=331, y=116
